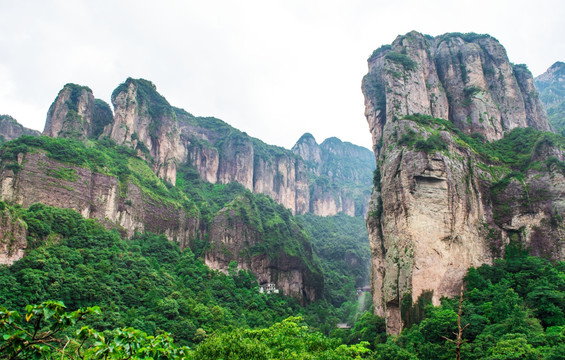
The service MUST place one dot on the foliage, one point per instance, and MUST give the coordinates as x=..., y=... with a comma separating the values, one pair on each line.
x=146, y=282
x=102, y=116
x=379, y=51
x=552, y=94
x=514, y=308
x=288, y=339
x=404, y=60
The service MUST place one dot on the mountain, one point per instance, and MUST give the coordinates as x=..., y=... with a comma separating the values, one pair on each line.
x=10, y=129
x=148, y=166
x=341, y=175
x=551, y=86
x=465, y=167
x=168, y=136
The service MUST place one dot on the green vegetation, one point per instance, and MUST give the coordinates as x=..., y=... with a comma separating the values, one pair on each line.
x=121, y=294
x=552, y=94
x=514, y=308
x=102, y=116
x=146, y=282
x=374, y=88
x=515, y=151
x=402, y=59
x=468, y=37
x=341, y=244
x=379, y=51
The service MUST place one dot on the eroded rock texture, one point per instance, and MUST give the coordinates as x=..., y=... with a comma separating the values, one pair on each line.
x=434, y=213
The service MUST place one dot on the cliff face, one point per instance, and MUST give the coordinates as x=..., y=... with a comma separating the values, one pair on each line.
x=76, y=114
x=12, y=236
x=222, y=154
x=10, y=129
x=341, y=175
x=465, y=78
x=551, y=85
x=95, y=196
x=167, y=136
x=144, y=120
x=238, y=234
x=440, y=205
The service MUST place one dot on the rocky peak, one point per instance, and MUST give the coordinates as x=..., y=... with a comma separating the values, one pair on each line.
x=438, y=206
x=307, y=148
x=465, y=78
x=551, y=85
x=144, y=120
x=75, y=113
x=10, y=129
x=555, y=74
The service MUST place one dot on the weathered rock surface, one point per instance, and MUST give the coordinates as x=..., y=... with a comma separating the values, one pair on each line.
x=341, y=175
x=236, y=234
x=434, y=215
x=465, y=78
x=75, y=113
x=10, y=129
x=13, y=232
x=145, y=121
x=95, y=196
x=551, y=85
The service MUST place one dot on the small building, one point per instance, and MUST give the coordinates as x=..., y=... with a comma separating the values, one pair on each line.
x=268, y=288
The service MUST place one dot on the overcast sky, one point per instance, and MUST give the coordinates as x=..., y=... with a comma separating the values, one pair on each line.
x=274, y=69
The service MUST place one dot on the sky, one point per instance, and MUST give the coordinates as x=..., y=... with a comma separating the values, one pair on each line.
x=274, y=69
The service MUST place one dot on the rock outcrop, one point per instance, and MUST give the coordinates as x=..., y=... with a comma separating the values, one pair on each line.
x=465, y=78
x=341, y=175
x=96, y=196
x=76, y=114
x=167, y=136
x=439, y=206
x=237, y=234
x=145, y=121
x=551, y=85
x=10, y=129
x=13, y=232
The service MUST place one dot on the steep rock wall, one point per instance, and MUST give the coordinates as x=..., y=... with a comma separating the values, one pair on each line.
x=433, y=213
x=10, y=129
x=465, y=78
x=13, y=232
x=341, y=175
x=237, y=233
x=95, y=196
x=222, y=154
x=75, y=113
x=144, y=120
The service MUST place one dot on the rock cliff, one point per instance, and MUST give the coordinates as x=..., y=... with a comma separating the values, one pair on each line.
x=445, y=198
x=341, y=175
x=167, y=137
x=75, y=113
x=12, y=236
x=283, y=257
x=40, y=179
x=222, y=154
x=551, y=85
x=10, y=129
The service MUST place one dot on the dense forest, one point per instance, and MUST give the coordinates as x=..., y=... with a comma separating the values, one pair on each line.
x=83, y=291
x=143, y=297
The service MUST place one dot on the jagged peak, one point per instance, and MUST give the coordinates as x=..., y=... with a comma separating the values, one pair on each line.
x=8, y=118
x=145, y=89
x=73, y=86
x=307, y=137
x=557, y=66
